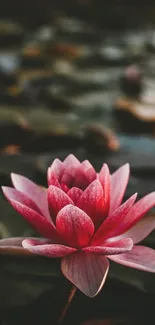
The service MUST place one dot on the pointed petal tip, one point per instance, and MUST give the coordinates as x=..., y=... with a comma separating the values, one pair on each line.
x=92, y=201
x=71, y=155
x=5, y=190
x=79, y=268
x=126, y=165
x=140, y=230
x=71, y=159
x=40, y=247
x=105, y=166
x=57, y=199
x=111, y=247
x=134, y=196
x=140, y=257
x=16, y=177
x=119, y=181
x=13, y=175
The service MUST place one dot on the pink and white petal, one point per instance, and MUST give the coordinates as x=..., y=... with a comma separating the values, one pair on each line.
x=65, y=187
x=117, y=247
x=118, y=183
x=57, y=167
x=67, y=180
x=40, y=223
x=140, y=257
x=112, y=226
x=92, y=202
x=49, y=250
x=13, y=194
x=33, y=191
x=52, y=179
x=57, y=199
x=74, y=193
x=88, y=170
x=71, y=163
x=138, y=210
x=86, y=271
x=37, y=241
x=85, y=174
x=15, y=242
x=140, y=230
x=12, y=241
x=75, y=226
x=104, y=177
x=81, y=180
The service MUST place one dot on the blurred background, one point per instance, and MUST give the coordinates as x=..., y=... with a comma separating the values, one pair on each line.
x=78, y=76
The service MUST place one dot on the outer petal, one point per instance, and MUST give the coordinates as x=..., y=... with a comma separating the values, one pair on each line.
x=57, y=199
x=86, y=271
x=141, y=230
x=74, y=193
x=57, y=168
x=140, y=257
x=70, y=164
x=116, y=247
x=52, y=178
x=139, y=209
x=33, y=191
x=49, y=250
x=104, y=177
x=14, y=245
x=84, y=175
x=119, y=181
x=75, y=226
x=88, y=170
x=42, y=224
x=13, y=194
x=113, y=224
x=12, y=241
x=92, y=201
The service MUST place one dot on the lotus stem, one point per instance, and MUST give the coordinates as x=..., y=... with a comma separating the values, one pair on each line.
x=65, y=309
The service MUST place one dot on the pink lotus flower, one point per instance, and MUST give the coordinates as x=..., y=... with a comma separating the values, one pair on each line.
x=84, y=222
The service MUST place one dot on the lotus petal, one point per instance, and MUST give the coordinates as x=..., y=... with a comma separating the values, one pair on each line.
x=86, y=271
x=104, y=177
x=113, y=224
x=52, y=179
x=92, y=202
x=116, y=247
x=75, y=226
x=138, y=211
x=84, y=174
x=140, y=230
x=49, y=250
x=118, y=184
x=57, y=199
x=140, y=257
x=13, y=194
x=74, y=193
x=57, y=167
x=33, y=191
x=41, y=224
